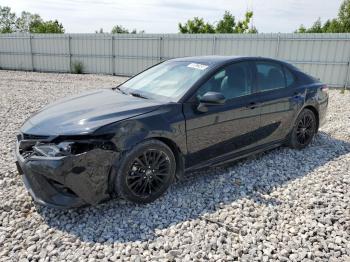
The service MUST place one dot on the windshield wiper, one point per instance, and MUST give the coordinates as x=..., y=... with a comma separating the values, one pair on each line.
x=137, y=95
x=119, y=89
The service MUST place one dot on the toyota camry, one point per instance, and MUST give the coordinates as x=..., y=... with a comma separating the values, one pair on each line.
x=134, y=140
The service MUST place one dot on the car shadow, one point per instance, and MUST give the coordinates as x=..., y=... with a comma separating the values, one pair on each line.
x=198, y=195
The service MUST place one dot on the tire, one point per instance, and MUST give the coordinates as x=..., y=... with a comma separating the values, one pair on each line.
x=145, y=172
x=303, y=130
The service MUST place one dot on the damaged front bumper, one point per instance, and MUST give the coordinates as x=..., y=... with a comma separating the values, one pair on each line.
x=65, y=181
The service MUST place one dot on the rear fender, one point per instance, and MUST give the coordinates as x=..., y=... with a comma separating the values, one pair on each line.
x=310, y=100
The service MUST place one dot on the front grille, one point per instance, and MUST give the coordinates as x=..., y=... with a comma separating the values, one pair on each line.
x=33, y=137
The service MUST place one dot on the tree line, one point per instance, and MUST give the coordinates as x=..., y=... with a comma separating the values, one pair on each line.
x=26, y=22
x=340, y=24
x=228, y=24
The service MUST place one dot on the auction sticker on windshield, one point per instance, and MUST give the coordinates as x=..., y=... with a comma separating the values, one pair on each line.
x=197, y=66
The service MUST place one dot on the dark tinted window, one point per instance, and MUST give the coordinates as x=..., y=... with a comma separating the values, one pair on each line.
x=270, y=76
x=289, y=77
x=233, y=81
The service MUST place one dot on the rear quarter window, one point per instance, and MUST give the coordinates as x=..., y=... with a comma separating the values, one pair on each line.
x=300, y=76
x=290, y=78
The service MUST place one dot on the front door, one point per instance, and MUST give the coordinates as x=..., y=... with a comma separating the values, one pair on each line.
x=225, y=128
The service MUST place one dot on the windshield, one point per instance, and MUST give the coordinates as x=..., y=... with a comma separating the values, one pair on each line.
x=168, y=80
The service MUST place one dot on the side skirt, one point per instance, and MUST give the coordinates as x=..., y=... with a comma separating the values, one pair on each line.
x=231, y=157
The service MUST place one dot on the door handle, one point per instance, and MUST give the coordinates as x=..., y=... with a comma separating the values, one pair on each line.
x=252, y=105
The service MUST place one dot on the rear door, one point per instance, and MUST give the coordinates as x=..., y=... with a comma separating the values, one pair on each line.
x=226, y=128
x=276, y=87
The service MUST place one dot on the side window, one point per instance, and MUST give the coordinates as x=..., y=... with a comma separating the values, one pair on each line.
x=233, y=81
x=270, y=76
x=213, y=84
x=289, y=77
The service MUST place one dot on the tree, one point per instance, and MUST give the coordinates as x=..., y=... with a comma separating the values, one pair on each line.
x=341, y=24
x=227, y=25
x=7, y=20
x=344, y=16
x=27, y=22
x=244, y=25
x=301, y=29
x=316, y=27
x=332, y=26
x=43, y=27
x=196, y=26
x=118, y=29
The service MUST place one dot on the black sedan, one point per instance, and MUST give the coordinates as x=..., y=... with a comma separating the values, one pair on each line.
x=134, y=140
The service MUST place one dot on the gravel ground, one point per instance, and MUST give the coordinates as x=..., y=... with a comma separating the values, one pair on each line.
x=284, y=205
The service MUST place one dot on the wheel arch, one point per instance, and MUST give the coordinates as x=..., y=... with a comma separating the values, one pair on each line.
x=178, y=154
x=180, y=161
x=315, y=111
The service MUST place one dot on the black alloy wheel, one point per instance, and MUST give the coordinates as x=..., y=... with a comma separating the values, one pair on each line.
x=145, y=172
x=148, y=173
x=304, y=130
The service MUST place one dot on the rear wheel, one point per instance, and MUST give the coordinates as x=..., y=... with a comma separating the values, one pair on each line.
x=145, y=172
x=304, y=130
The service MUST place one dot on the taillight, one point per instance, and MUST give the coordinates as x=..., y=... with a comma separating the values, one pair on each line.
x=324, y=89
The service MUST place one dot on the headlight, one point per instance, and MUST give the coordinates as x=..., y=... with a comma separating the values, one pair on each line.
x=71, y=148
x=53, y=150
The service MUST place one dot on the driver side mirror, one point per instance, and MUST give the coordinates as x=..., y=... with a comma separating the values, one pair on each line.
x=210, y=99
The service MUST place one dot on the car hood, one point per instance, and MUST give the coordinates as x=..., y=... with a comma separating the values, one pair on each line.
x=86, y=112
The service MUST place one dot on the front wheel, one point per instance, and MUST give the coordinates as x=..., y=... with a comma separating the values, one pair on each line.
x=145, y=172
x=304, y=130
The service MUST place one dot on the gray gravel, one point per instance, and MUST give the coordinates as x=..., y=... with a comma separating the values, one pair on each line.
x=284, y=205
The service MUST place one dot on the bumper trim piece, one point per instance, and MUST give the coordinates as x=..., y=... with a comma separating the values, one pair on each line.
x=49, y=196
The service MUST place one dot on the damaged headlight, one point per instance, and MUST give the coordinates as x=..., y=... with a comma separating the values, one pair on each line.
x=53, y=150
x=70, y=148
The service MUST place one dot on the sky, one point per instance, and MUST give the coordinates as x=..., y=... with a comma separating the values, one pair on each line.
x=163, y=16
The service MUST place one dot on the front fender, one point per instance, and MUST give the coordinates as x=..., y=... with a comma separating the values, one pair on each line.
x=167, y=122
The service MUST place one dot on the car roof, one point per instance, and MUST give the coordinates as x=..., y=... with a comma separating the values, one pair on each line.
x=217, y=60
x=213, y=59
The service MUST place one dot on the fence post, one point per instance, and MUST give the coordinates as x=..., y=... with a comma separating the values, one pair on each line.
x=160, y=51
x=278, y=45
x=31, y=51
x=214, y=45
x=347, y=75
x=70, y=53
x=112, y=55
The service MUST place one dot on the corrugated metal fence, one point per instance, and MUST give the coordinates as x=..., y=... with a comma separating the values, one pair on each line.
x=325, y=56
